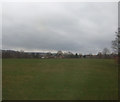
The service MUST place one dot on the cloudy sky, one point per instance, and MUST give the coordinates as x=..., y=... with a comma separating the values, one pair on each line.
x=82, y=27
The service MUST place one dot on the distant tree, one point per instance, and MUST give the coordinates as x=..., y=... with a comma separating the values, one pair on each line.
x=21, y=54
x=99, y=55
x=80, y=55
x=48, y=55
x=106, y=51
x=76, y=55
x=90, y=55
x=59, y=54
x=116, y=42
x=68, y=55
x=84, y=56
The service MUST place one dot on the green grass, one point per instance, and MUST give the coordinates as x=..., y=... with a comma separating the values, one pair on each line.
x=59, y=79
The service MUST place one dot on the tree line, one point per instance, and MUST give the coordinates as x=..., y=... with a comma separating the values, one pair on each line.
x=21, y=54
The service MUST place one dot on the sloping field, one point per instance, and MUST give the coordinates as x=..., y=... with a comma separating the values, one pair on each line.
x=60, y=79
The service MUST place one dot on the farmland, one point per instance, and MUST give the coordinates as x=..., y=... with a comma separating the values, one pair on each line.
x=59, y=79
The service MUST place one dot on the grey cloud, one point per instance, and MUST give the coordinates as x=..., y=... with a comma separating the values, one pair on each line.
x=78, y=27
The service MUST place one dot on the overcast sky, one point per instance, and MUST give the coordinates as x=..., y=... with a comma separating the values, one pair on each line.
x=81, y=27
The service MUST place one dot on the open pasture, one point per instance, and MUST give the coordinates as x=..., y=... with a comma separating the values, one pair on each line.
x=59, y=79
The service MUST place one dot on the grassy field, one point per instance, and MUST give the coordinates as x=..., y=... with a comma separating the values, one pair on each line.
x=59, y=79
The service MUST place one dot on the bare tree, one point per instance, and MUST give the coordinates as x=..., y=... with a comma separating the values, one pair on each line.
x=116, y=42
x=106, y=51
x=99, y=55
x=59, y=54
